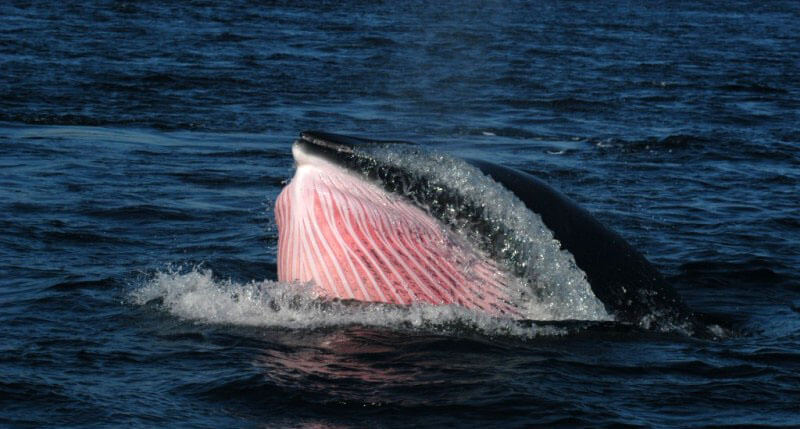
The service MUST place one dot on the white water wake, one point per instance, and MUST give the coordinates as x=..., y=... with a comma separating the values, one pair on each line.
x=194, y=294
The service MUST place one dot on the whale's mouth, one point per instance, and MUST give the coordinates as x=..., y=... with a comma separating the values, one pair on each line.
x=331, y=141
x=352, y=239
x=346, y=151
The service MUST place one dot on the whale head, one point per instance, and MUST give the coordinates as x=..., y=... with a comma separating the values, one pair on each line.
x=389, y=222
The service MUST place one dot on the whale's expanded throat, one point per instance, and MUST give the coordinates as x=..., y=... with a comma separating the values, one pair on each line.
x=353, y=240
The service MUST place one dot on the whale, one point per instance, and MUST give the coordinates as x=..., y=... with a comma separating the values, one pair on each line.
x=396, y=223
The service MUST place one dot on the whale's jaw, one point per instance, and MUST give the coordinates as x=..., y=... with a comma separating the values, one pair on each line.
x=354, y=240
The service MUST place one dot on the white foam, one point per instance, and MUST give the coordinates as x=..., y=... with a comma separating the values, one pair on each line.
x=194, y=294
x=555, y=282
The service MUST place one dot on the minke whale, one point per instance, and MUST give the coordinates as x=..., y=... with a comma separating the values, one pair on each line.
x=390, y=222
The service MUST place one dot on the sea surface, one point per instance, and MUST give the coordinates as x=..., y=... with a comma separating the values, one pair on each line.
x=143, y=144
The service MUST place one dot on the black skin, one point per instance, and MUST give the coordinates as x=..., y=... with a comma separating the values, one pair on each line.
x=628, y=285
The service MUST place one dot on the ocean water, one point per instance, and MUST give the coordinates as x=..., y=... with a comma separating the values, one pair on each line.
x=143, y=144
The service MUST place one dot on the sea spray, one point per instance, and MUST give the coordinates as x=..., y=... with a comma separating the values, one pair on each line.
x=193, y=293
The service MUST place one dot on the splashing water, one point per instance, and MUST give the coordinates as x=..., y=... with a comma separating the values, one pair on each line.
x=516, y=236
x=194, y=294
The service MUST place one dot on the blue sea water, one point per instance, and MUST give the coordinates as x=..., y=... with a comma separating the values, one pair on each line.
x=143, y=144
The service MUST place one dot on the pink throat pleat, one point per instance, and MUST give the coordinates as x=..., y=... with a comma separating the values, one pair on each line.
x=353, y=240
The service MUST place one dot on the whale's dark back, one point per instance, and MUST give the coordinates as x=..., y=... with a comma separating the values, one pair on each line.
x=621, y=277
